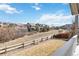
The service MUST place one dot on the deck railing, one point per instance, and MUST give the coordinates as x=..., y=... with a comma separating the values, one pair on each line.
x=68, y=48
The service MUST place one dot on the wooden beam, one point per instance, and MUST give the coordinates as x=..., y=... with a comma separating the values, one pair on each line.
x=74, y=8
x=75, y=11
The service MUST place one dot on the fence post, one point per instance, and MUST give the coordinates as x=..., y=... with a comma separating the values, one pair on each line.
x=34, y=42
x=5, y=50
x=41, y=39
x=51, y=37
x=23, y=45
x=46, y=38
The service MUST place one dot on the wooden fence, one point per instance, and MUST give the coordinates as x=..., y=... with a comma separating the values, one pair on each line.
x=66, y=50
x=24, y=44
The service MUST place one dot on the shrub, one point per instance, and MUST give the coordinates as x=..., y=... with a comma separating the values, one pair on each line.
x=10, y=33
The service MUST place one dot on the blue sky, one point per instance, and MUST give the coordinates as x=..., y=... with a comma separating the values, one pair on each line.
x=44, y=13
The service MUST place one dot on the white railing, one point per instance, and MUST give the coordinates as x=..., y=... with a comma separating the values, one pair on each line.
x=67, y=49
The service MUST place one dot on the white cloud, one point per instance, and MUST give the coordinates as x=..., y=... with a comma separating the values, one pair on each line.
x=56, y=19
x=8, y=9
x=36, y=6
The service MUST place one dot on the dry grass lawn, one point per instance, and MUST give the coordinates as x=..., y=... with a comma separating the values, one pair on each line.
x=42, y=49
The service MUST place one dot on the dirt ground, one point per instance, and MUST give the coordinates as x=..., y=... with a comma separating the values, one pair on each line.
x=25, y=39
x=42, y=49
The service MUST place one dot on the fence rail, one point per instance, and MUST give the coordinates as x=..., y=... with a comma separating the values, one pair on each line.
x=24, y=44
